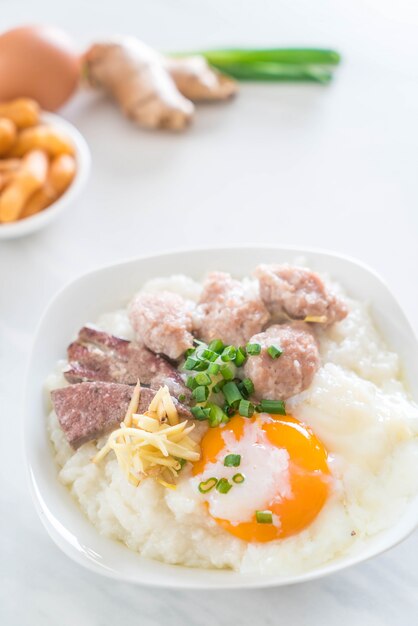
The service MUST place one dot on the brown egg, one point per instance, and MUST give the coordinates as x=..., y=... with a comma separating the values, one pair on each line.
x=39, y=62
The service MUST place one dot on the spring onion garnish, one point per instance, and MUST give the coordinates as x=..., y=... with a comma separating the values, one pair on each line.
x=232, y=394
x=226, y=372
x=277, y=407
x=214, y=368
x=190, y=363
x=201, y=366
x=253, y=348
x=264, y=517
x=246, y=387
x=240, y=357
x=216, y=415
x=216, y=345
x=219, y=386
x=207, y=485
x=200, y=394
x=274, y=352
x=203, y=379
x=200, y=413
x=209, y=376
x=246, y=408
x=182, y=462
x=229, y=353
x=182, y=397
x=229, y=410
x=191, y=382
x=209, y=355
x=238, y=478
x=223, y=485
x=232, y=460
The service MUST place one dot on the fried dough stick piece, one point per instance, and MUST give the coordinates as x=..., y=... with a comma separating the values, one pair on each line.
x=134, y=74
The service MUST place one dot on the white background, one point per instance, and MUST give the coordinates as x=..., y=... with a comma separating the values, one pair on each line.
x=332, y=167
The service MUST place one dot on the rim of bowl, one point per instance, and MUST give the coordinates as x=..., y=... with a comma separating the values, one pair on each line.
x=83, y=160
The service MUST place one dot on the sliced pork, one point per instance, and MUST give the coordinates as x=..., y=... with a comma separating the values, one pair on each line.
x=290, y=373
x=98, y=356
x=163, y=322
x=86, y=411
x=297, y=293
x=229, y=311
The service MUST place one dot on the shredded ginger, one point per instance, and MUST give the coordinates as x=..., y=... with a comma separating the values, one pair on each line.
x=154, y=443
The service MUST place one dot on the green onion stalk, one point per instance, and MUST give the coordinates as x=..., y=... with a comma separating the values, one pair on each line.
x=273, y=64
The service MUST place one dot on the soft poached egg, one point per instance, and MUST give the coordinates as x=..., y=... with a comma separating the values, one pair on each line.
x=286, y=479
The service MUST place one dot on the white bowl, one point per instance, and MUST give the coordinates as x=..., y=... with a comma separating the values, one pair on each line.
x=109, y=288
x=31, y=224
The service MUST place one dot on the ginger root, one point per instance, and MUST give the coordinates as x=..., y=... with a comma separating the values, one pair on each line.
x=134, y=74
x=152, y=90
x=198, y=81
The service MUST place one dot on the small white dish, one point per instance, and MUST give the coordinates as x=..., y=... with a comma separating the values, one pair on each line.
x=31, y=224
x=109, y=288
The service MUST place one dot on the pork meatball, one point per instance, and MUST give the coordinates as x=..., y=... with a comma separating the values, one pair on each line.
x=162, y=322
x=290, y=373
x=228, y=310
x=297, y=293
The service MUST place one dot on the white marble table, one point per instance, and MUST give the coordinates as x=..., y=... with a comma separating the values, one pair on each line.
x=331, y=167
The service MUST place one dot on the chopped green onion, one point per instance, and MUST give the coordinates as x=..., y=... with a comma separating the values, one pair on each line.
x=182, y=397
x=225, y=418
x=203, y=379
x=207, y=485
x=240, y=357
x=219, y=386
x=216, y=415
x=246, y=408
x=190, y=363
x=229, y=410
x=223, y=485
x=209, y=355
x=232, y=394
x=247, y=387
x=253, y=348
x=277, y=407
x=191, y=382
x=201, y=365
x=264, y=517
x=238, y=478
x=216, y=345
x=214, y=368
x=200, y=413
x=229, y=353
x=182, y=463
x=200, y=394
x=232, y=460
x=227, y=372
x=274, y=352
x=189, y=352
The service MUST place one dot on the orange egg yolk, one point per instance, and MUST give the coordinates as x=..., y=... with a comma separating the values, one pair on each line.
x=309, y=475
